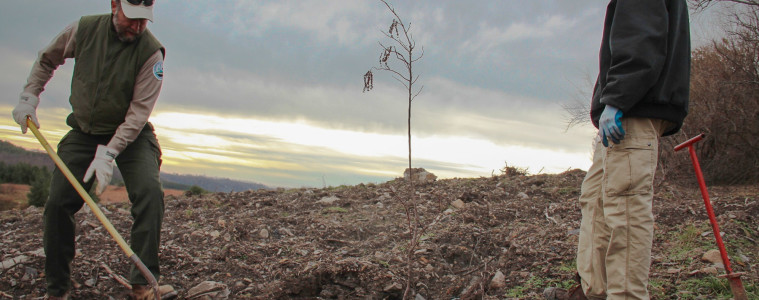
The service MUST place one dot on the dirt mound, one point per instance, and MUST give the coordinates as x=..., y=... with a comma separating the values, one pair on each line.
x=351, y=242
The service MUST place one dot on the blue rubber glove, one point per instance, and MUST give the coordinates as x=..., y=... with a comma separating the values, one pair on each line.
x=610, y=126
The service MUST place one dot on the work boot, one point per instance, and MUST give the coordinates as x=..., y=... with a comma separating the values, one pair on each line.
x=144, y=292
x=554, y=293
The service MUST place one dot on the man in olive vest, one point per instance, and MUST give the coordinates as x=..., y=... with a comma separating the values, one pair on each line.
x=115, y=84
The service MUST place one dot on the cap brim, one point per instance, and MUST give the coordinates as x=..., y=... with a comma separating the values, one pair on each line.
x=137, y=11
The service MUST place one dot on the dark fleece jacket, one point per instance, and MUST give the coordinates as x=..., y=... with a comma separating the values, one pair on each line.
x=645, y=61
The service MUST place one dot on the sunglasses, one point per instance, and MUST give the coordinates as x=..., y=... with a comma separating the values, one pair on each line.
x=138, y=2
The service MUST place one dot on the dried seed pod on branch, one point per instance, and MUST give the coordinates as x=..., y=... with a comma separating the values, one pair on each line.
x=368, y=81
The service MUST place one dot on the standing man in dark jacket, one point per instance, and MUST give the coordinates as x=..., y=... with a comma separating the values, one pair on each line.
x=116, y=81
x=641, y=94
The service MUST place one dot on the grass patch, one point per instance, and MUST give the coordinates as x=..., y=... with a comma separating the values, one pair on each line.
x=539, y=284
x=687, y=243
x=657, y=289
x=568, y=266
x=517, y=292
x=569, y=191
x=697, y=288
x=709, y=287
x=738, y=242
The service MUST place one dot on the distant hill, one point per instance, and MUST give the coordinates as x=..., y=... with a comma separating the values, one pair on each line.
x=12, y=154
x=212, y=183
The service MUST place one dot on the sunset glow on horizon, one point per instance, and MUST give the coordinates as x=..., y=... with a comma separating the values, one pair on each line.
x=273, y=152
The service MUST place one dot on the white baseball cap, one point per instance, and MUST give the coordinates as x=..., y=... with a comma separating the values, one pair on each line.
x=138, y=9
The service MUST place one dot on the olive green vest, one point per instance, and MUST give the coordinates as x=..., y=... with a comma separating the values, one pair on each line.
x=104, y=74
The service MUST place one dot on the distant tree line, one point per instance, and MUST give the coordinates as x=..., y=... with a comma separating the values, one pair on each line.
x=7, y=147
x=22, y=173
x=13, y=154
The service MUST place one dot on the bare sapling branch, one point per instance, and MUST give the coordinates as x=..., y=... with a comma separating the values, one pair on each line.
x=398, y=59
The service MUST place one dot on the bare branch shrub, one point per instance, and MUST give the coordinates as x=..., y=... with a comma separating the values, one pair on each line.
x=577, y=112
x=704, y=4
x=724, y=106
x=398, y=59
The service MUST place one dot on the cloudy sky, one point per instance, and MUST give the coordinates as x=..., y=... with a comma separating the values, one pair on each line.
x=271, y=91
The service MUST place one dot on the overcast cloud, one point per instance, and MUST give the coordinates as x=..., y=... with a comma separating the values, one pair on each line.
x=495, y=74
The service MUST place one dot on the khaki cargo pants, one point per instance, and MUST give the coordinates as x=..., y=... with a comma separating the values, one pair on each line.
x=139, y=164
x=616, y=231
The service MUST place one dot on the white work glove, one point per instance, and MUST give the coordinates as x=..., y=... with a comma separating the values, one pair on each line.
x=102, y=167
x=27, y=106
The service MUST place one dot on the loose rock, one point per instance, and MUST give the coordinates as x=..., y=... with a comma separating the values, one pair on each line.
x=498, y=281
x=712, y=256
x=420, y=175
x=209, y=290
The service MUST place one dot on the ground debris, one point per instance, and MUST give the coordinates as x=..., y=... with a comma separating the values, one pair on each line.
x=485, y=238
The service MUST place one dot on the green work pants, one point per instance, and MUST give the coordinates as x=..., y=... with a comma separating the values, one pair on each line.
x=140, y=165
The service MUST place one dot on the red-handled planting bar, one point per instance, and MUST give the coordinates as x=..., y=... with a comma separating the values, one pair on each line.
x=736, y=286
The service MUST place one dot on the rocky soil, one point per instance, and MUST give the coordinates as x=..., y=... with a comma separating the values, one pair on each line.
x=499, y=237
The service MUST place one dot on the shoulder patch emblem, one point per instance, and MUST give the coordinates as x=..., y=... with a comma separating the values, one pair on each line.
x=158, y=70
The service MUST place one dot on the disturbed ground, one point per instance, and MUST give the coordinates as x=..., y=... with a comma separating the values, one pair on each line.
x=509, y=236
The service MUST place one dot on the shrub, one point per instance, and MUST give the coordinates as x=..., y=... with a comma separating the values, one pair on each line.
x=196, y=190
x=40, y=189
x=510, y=171
x=723, y=106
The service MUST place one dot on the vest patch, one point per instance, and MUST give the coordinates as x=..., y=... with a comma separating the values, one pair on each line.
x=158, y=70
